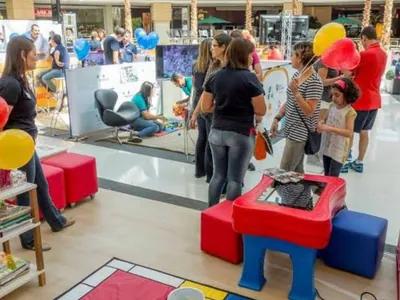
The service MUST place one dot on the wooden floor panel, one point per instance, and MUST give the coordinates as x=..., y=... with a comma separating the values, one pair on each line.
x=166, y=237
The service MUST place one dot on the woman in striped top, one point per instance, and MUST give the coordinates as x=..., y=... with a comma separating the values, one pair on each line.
x=301, y=109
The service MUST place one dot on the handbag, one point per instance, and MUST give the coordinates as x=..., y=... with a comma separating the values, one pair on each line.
x=313, y=143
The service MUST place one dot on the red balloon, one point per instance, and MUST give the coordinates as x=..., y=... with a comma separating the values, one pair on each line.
x=341, y=55
x=275, y=55
x=4, y=112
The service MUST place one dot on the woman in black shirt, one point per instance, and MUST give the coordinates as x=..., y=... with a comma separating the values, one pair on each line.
x=203, y=151
x=235, y=95
x=14, y=88
x=219, y=44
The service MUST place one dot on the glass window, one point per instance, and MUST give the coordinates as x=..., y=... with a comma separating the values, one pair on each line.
x=88, y=20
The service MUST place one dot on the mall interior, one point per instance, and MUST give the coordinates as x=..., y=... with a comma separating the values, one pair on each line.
x=144, y=228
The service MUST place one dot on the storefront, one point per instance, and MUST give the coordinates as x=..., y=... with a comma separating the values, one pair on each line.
x=88, y=18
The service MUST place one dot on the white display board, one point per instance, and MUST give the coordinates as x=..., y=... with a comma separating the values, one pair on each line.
x=277, y=75
x=125, y=79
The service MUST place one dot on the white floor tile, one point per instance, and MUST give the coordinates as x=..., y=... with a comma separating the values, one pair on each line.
x=77, y=292
x=120, y=265
x=99, y=276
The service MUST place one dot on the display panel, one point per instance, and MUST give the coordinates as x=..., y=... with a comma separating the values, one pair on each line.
x=302, y=195
x=175, y=59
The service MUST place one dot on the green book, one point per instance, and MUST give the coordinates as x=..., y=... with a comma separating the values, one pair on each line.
x=15, y=221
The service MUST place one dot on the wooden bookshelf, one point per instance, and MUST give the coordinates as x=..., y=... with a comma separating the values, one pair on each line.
x=34, y=270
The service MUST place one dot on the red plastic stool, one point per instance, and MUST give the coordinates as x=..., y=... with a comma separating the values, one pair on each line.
x=80, y=175
x=217, y=235
x=55, y=179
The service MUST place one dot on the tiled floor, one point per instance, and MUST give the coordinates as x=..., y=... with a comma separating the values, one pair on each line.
x=374, y=191
x=166, y=238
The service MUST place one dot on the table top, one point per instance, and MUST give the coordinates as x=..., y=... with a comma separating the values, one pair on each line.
x=308, y=228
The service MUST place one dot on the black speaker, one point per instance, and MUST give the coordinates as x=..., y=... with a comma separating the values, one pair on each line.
x=56, y=11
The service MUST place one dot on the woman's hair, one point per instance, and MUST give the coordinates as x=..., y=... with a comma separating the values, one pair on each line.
x=237, y=54
x=94, y=35
x=222, y=39
x=349, y=89
x=204, y=58
x=304, y=50
x=101, y=30
x=14, y=64
x=236, y=34
x=145, y=90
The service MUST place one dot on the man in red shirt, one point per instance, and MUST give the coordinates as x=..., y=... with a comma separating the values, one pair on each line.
x=368, y=76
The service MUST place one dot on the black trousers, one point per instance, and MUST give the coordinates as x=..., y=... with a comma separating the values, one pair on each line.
x=331, y=166
x=204, y=162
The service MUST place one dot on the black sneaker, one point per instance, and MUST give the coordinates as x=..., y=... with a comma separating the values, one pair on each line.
x=251, y=167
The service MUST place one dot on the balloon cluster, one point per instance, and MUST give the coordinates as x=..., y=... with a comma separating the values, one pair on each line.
x=16, y=146
x=82, y=48
x=146, y=41
x=335, y=50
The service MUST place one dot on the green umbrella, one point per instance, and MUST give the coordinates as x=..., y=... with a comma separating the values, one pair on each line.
x=213, y=20
x=346, y=21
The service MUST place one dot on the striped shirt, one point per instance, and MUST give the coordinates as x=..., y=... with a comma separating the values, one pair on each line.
x=295, y=129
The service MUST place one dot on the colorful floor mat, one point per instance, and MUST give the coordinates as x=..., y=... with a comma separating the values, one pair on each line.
x=122, y=280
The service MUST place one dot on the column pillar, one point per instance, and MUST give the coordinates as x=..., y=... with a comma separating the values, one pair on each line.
x=161, y=15
x=295, y=6
x=20, y=10
x=108, y=19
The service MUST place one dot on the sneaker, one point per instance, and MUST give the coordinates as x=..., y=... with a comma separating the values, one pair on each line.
x=350, y=157
x=345, y=168
x=358, y=167
x=251, y=167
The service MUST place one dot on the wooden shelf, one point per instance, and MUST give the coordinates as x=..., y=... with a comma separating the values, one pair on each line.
x=20, y=281
x=11, y=192
x=19, y=231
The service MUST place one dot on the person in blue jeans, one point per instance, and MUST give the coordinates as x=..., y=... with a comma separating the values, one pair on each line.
x=14, y=88
x=60, y=62
x=236, y=97
x=147, y=124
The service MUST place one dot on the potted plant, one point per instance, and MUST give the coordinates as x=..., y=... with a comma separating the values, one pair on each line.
x=389, y=78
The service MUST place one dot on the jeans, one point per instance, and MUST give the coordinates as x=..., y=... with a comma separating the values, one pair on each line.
x=146, y=127
x=231, y=153
x=34, y=174
x=47, y=76
x=331, y=166
x=204, y=163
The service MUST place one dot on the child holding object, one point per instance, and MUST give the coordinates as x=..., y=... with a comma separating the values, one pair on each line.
x=338, y=126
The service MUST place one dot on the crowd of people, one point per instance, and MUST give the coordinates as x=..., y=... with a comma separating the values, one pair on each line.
x=228, y=103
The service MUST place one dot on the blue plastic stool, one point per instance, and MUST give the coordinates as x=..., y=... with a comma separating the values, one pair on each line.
x=357, y=243
x=303, y=260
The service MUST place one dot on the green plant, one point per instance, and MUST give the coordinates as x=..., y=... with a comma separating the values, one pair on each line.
x=136, y=23
x=389, y=75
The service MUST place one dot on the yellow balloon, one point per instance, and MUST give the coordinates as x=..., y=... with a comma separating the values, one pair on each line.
x=326, y=36
x=16, y=149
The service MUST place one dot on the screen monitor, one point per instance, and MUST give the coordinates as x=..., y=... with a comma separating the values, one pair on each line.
x=302, y=195
x=271, y=28
x=175, y=59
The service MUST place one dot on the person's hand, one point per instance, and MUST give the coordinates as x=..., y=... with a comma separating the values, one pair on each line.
x=294, y=86
x=162, y=118
x=258, y=119
x=274, y=128
x=321, y=127
x=180, y=102
x=193, y=121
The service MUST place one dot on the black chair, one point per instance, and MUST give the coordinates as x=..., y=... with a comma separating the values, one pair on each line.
x=126, y=114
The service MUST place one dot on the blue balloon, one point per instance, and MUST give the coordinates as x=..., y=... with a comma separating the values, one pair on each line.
x=13, y=35
x=154, y=39
x=144, y=42
x=139, y=32
x=82, y=48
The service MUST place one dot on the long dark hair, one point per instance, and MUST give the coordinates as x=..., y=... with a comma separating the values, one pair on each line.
x=14, y=64
x=349, y=89
x=222, y=39
x=145, y=91
x=204, y=58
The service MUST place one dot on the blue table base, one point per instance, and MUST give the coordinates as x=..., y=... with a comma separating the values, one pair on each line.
x=303, y=260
